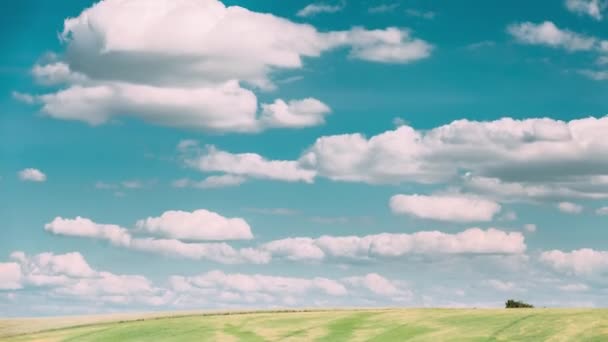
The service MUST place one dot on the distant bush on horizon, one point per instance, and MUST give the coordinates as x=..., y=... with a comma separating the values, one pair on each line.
x=512, y=304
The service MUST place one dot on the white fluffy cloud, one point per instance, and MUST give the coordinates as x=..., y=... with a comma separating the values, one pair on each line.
x=246, y=165
x=470, y=241
x=592, y=8
x=10, y=276
x=69, y=275
x=197, y=225
x=532, y=159
x=198, y=69
x=507, y=149
x=84, y=227
x=583, y=261
x=379, y=285
x=296, y=113
x=32, y=175
x=564, y=187
x=182, y=224
x=537, y=159
x=260, y=284
x=217, y=252
x=569, y=208
x=456, y=208
x=546, y=33
x=47, y=269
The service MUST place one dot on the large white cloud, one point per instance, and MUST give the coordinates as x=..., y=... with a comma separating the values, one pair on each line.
x=532, y=158
x=185, y=63
x=386, y=245
x=70, y=276
x=122, y=237
x=197, y=225
x=537, y=159
x=456, y=208
x=585, y=261
x=46, y=269
x=501, y=148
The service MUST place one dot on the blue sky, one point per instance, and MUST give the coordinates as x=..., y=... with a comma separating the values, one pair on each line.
x=277, y=154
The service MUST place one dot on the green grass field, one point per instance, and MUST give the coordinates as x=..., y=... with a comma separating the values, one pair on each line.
x=334, y=325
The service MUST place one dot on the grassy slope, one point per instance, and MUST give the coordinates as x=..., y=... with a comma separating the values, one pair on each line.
x=361, y=325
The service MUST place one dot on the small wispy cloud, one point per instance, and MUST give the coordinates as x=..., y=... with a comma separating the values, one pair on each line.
x=420, y=14
x=273, y=211
x=482, y=44
x=318, y=8
x=384, y=8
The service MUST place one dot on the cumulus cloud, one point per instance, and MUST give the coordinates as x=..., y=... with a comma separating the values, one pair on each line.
x=217, y=252
x=546, y=33
x=32, y=175
x=212, y=227
x=569, y=208
x=296, y=113
x=387, y=245
x=51, y=269
x=533, y=159
x=456, y=208
x=245, y=284
x=197, y=225
x=538, y=159
x=563, y=187
x=203, y=73
x=592, y=8
x=379, y=285
x=10, y=276
x=245, y=165
x=84, y=227
x=314, y=9
x=507, y=149
x=585, y=261
x=70, y=276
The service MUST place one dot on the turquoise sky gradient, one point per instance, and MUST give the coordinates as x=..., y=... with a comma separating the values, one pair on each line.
x=125, y=169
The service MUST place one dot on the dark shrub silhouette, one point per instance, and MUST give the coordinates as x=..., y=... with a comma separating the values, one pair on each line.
x=510, y=304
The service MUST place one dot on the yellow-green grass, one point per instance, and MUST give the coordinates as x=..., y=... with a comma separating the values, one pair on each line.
x=327, y=325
